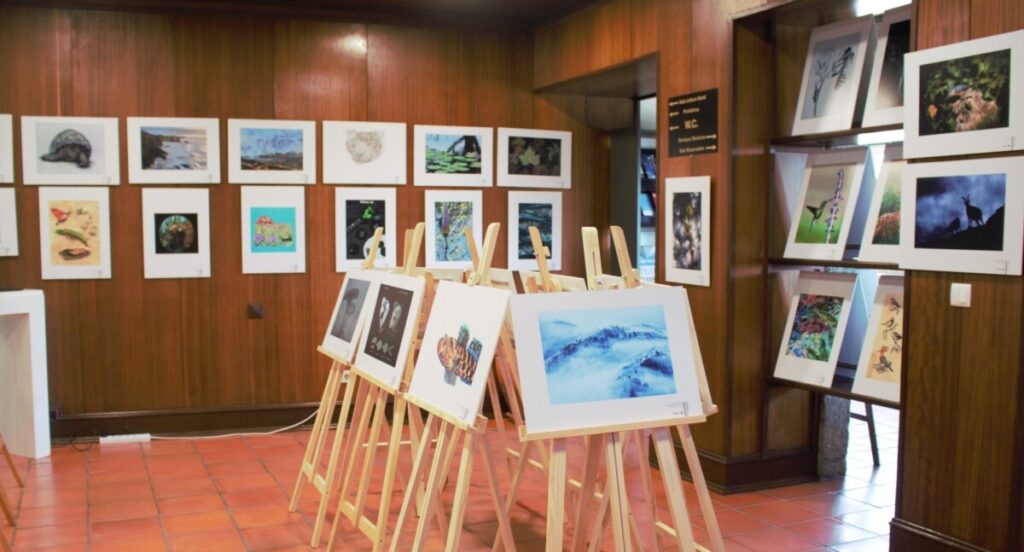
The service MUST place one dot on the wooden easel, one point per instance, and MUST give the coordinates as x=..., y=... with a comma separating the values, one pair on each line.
x=5, y=505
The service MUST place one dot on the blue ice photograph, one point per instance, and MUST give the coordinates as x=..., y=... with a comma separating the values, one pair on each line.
x=605, y=354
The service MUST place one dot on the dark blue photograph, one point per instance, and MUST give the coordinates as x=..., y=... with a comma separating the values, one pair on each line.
x=960, y=212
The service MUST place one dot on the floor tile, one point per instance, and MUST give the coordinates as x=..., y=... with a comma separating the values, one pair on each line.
x=828, y=531
x=780, y=513
x=876, y=521
x=217, y=541
x=731, y=522
x=199, y=522
x=49, y=516
x=264, y=516
x=831, y=504
x=170, y=488
x=869, y=545
x=151, y=544
x=190, y=504
x=31, y=538
x=107, y=531
x=278, y=536
x=117, y=510
x=774, y=540
x=268, y=496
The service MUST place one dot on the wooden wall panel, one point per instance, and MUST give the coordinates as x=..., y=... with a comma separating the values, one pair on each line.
x=611, y=34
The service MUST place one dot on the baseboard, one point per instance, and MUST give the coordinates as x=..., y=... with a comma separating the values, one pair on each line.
x=906, y=536
x=727, y=475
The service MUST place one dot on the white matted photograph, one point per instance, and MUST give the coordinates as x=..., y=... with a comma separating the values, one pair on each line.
x=881, y=359
x=454, y=362
x=831, y=95
x=599, y=361
x=881, y=240
x=818, y=314
x=273, y=229
x=70, y=151
x=355, y=300
x=448, y=213
x=6, y=149
x=540, y=209
x=965, y=98
x=74, y=233
x=358, y=212
x=884, y=103
x=8, y=223
x=176, y=233
x=269, y=151
x=828, y=198
x=964, y=216
x=688, y=230
x=384, y=345
x=357, y=152
x=532, y=158
x=453, y=156
x=173, y=150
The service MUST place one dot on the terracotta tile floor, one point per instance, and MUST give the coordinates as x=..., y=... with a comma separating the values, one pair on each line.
x=232, y=494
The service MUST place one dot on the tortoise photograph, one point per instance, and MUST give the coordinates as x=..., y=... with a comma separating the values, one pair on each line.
x=70, y=148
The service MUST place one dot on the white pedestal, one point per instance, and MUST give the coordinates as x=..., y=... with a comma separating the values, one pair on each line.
x=24, y=398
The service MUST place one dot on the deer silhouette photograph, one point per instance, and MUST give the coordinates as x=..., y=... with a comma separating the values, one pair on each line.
x=963, y=212
x=964, y=94
x=822, y=214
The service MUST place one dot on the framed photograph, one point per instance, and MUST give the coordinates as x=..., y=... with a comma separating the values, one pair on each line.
x=357, y=152
x=8, y=223
x=531, y=158
x=74, y=233
x=453, y=156
x=597, y=360
x=815, y=327
x=831, y=182
x=176, y=233
x=384, y=345
x=273, y=229
x=70, y=151
x=448, y=213
x=881, y=240
x=355, y=299
x=454, y=362
x=173, y=150
x=688, y=230
x=6, y=149
x=964, y=216
x=833, y=73
x=884, y=104
x=881, y=359
x=965, y=97
x=271, y=151
x=540, y=209
x=358, y=212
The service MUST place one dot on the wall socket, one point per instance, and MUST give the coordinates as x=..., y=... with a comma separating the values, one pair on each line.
x=960, y=295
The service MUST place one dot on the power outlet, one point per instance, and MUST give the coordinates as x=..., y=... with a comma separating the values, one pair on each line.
x=960, y=295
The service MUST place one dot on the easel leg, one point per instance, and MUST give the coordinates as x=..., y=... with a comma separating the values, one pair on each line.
x=461, y=493
x=869, y=413
x=504, y=527
x=673, y=489
x=6, y=507
x=390, y=471
x=17, y=476
x=372, y=446
x=442, y=455
x=700, y=485
x=597, y=530
x=327, y=489
x=414, y=478
x=643, y=451
x=616, y=489
x=513, y=488
x=556, y=496
x=356, y=442
x=312, y=455
x=581, y=525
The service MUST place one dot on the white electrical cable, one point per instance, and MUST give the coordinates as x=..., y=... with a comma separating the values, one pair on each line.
x=293, y=426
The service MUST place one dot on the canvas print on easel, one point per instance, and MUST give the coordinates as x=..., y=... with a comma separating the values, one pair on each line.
x=453, y=156
x=355, y=298
x=881, y=360
x=688, y=230
x=831, y=184
x=966, y=97
x=357, y=152
x=74, y=231
x=964, y=216
x=273, y=230
x=815, y=326
x=458, y=347
x=448, y=213
x=70, y=150
x=384, y=345
x=540, y=209
x=884, y=104
x=358, y=212
x=271, y=152
x=591, y=361
x=833, y=71
x=881, y=239
x=8, y=223
x=532, y=158
x=173, y=151
x=176, y=233
x=6, y=149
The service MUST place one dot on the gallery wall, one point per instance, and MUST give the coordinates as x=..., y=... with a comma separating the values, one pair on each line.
x=123, y=349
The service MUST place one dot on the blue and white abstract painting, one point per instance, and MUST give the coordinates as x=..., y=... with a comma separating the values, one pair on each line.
x=605, y=354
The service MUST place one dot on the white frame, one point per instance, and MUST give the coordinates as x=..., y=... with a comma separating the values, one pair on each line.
x=238, y=175
x=57, y=272
x=271, y=262
x=544, y=420
x=422, y=178
x=889, y=115
x=507, y=179
x=1010, y=138
x=693, y=184
x=567, y=283
x=843, y=117
x=338, y=347
x=387, y=169
x=178, y=265
x=138, y=175
x=1007, y=261
x=111, y=175
x=862, y=384
x=852, y=185
x=6, y=148
x=8, y=223
x=816, y=372
x=341, y=196
x=431, y=198
x=390, y=377
x=455, y=304
x=515, y=199
x=882, y=253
